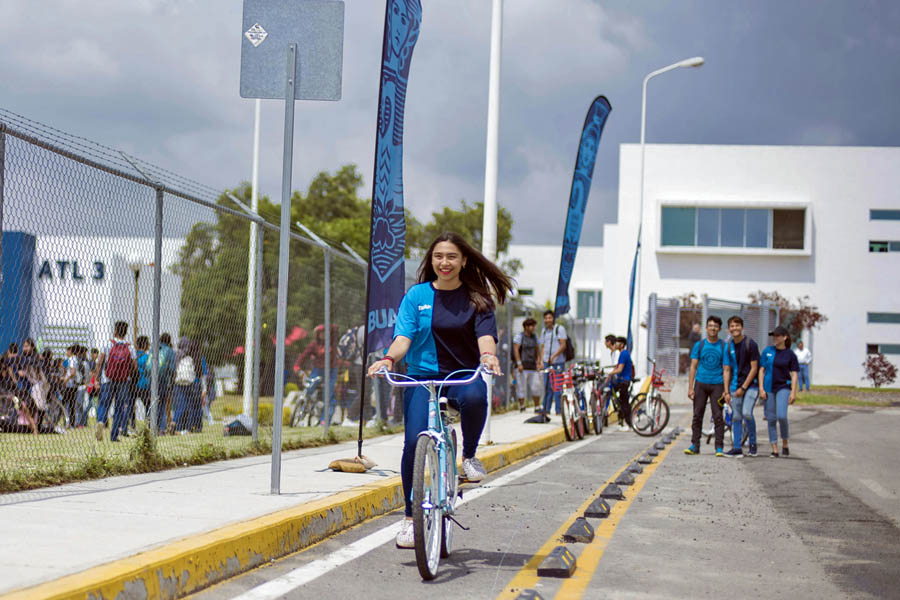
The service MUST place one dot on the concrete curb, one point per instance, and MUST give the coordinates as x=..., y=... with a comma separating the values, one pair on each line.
x=191, y=564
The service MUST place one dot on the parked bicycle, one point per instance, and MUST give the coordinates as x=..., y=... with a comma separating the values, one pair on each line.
x=574, y=418
x=435, y=486
x=649, y=412
x=307, y=409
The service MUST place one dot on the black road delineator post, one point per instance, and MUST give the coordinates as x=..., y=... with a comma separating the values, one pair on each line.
x=635, y=467
x=598, y=509
x=529, y=594
x=579, y=531
x=625, y=478
x=652, y=452
x=559, y=563
x=645, y=459
x=667, y=439
x=612, y=491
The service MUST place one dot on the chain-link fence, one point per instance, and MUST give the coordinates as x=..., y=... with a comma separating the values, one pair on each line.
x=676, y=325
x=125, y=301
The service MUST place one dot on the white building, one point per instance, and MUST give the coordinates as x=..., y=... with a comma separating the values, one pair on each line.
x=536, y=282
x=727, y=221
x=82, y=285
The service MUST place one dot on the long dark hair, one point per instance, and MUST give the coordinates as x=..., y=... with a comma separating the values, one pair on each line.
x=479, y=275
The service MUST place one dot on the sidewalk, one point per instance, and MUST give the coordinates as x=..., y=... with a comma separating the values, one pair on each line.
x=167, y=534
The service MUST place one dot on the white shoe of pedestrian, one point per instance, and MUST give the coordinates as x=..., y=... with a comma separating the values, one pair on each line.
x=405, y=537
x=473, y=469
x=624, y=427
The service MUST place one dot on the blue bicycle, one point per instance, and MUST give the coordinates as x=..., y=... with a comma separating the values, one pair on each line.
x=435, y=486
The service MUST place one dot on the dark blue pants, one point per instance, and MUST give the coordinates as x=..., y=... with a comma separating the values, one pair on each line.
x=471, y=402
x=120, y=393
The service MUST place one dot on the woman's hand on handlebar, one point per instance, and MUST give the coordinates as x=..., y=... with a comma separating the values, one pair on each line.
x=384, y=363
x=491, y=363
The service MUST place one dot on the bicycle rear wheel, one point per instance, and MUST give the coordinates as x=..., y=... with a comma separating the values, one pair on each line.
x=596, y=411
x=427, y=516
x=452, y=491
x=649, y=416
x=568, y=418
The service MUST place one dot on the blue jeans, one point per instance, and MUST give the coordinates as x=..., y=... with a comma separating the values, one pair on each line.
x=471, y=402
x=120, y=393
x=804, y=376
x=776, y=413
x=81, y=412
x=551, y=397
x=742, y=416
x=332, y=377
x=186, y=408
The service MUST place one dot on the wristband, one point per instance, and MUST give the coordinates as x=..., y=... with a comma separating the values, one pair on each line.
x=388, y=357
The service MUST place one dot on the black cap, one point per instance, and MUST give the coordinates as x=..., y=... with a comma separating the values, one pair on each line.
x=779, y=331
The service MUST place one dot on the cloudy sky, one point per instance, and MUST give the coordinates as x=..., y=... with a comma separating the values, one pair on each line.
x=159, y=79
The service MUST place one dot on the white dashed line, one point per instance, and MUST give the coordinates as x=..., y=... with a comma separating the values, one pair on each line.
x=876, y=487
x=835, y=453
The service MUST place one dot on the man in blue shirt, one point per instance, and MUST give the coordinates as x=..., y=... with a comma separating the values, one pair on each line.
x=741, y=366
x=707, y=383
x=622, y=382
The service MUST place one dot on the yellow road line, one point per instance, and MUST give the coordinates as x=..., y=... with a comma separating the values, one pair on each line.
x=527, y=577
x=589, y=558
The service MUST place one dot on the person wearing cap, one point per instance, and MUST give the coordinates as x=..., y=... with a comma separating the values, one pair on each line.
x=778, y=370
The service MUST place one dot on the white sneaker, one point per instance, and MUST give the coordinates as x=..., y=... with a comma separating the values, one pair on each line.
x=473, y=469
x=624, y=427
x=405, y=537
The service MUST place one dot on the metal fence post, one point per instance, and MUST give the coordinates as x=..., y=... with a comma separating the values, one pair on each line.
x=651, y=329
x=257, y=334
x=157, y=295
x=705, y=312
x=326, y=376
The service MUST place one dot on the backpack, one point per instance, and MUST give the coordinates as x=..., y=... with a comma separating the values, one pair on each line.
x=569, y=350
x=347, y=348
x=118, y=363
x=163, y=363
x=185, y=374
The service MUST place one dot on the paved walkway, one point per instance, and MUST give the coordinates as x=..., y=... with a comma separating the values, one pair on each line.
x=56, y=532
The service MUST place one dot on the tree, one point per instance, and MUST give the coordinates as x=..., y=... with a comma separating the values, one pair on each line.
x=795, y=317
x=468, y=222
x=879, y=370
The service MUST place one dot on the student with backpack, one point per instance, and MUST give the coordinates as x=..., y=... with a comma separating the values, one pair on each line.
x=554, y=342
x=115, y=365
x=166, y=381
x=707, y=383
x=143, y=376
x=741, y=366
x=188, y=388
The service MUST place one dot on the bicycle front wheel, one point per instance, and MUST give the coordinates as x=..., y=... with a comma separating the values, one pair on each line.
x=568, y=418
x=596, y=412
x=649, y=416
x=452, y=491
x=427, y=515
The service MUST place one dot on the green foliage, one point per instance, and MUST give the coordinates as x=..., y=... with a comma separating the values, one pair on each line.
x=467, y=221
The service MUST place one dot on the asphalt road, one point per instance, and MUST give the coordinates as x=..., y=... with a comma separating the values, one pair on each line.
x=821, y=524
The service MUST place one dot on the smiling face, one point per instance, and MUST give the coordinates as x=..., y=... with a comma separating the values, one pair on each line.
x=736, y=330
x=779, y=340
x=548, y=321
x=712, y=330
x=447, y=261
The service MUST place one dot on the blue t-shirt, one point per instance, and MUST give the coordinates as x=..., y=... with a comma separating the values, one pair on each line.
x=739, y=357
x=711, y=358
x=782, y=363
x=444, y=328
x=143, y=367
x=624, y=375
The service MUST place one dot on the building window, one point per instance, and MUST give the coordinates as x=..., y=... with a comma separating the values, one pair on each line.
x=880, y=317
x=882, y=348
x=525, y=292
x=778, y=229
x=583, y=310
x=883, y=246
x=884, y=215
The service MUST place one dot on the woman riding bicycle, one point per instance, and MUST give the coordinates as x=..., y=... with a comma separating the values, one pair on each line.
x=446, y=323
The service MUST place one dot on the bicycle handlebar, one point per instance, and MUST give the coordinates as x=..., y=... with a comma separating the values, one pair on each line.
x=427, y=382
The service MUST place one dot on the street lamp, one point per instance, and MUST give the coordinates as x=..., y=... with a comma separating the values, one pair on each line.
x=135, y=265
x=695, y=61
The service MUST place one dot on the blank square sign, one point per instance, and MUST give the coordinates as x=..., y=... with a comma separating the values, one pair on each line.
x=316, y=26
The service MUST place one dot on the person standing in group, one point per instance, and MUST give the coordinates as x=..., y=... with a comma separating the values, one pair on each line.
x=612, y=344
x=525, y=354
x=70, y=382
x=707, y=383
x=553, y=356
x=778, y=375
x=187, y=388
x=166, y=382
x=741, y=368
x=445, y=324
x=620, y=378
x=804, y=357
x=142, y=384
x=115, y=365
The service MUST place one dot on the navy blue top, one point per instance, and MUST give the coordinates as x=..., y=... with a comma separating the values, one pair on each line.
x=444, y=328
x=783, y=363
x=624, y=375
x=738, y=357
x=711, y=357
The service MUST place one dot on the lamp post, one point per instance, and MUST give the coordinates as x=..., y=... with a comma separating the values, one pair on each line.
x=135, y=266
x=695, y=61
x=489, y=223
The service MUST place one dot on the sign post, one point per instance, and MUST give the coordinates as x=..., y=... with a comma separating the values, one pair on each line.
x=282, y=40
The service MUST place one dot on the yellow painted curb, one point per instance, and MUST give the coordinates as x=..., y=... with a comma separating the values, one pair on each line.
x=191, y=564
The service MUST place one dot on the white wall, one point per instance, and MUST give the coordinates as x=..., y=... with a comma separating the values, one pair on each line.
x=841, y=277
x=98, y=303
x=540, y=271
